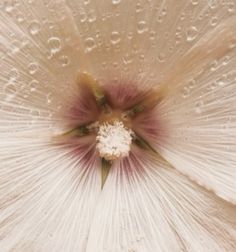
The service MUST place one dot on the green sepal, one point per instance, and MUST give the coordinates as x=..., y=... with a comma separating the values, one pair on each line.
x=143, y=144
x=78, y=131
x=105, y=169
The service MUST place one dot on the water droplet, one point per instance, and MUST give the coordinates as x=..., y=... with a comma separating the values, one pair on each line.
x=9, y=6
x=64, y=60
x=164, y=11
x=139, y=7
x=83, y=17
x=35, y=113
x=231, y=7
x=220, y=82
x=89, y=44
x=115, y=37
x=141, y=57
x=33, y=67
x=130, y=35
x=115, y=2
x=212, y=3
x=191, y=83
x=55, y=45
x=13, y=75
x=194, y=2
x=142, y=27
x=225, y=60
x=16, y=45
x=115, y=64
x=33, y=85
x=213, y=85
x=214, y=21
x=34, y=27
x=161, y=57
x=127, y=59
x=152, y=35
x=192, y=33
x=214, y=65
x=20, y=18
x=198, y=107
x=10, y=88
x=160, y=19
x=49, y=98
x=185, y=92
x=92, y=16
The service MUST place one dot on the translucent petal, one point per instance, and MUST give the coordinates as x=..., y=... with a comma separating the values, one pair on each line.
x=139, y=41
x=148, y=206
x=48, y=195
x=200, y=136
x=40, y=56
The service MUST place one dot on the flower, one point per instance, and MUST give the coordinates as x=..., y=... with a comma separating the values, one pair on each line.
x=117, y=125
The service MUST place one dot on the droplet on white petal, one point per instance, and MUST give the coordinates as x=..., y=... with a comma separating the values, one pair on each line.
x=89, y=44
x=54, y=45
x=191, y=33
x=34, y=27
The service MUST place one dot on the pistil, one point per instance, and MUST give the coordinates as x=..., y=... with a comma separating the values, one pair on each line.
x=114, y=140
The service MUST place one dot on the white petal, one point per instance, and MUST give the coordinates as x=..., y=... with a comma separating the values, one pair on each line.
x=200, y=134
x=40, y=56
x=148, y=206
x=139, y=41
x=48, y=196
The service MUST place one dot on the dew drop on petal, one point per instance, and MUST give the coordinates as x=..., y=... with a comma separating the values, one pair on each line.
x=33, y=85
x=83, y=17
x=214, y=21
x=185, y=92
x=142, y=27
x=231, y=7
x=115, y=2
x=86, y=2
x=35, y=113
x=92, y=16
x=198, y=107
x=194, y=2
x=220, y=82
x=161, y=57
x=191, y=33
x=34, y=27
x=10, y=88
x=13, y=74
x=49, y=98
x=191, y=83
x=212, y=3
x=226, y=60
x=115, y=37
x=9, y=6
x=64, y=60
x=127, y=59
x=152, y=35
x=20, y=18
x=16, y=45
x=139, y=7
x=54, y=44
x=33, y=68
x=89, y=44
x=214, y=65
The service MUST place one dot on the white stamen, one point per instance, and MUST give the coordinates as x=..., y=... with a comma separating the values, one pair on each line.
x=113, y=140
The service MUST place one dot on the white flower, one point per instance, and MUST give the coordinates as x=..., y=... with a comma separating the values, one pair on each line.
x=159, y=75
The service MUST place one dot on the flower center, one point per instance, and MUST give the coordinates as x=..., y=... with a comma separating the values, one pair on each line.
x=111, y=120
x=113, y=140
